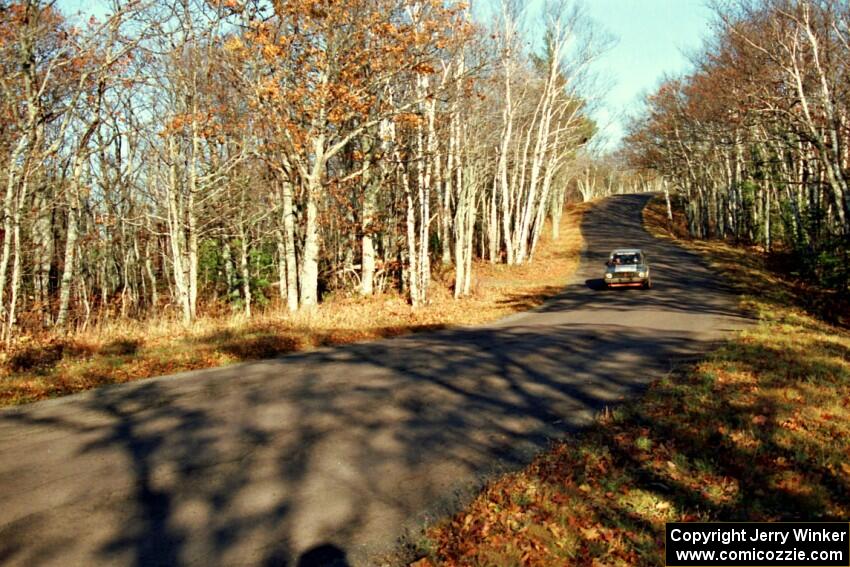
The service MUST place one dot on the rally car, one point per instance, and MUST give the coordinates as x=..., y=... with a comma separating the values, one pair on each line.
x=627, y=266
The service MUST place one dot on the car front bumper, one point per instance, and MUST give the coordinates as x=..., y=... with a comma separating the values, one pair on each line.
x=621, y=279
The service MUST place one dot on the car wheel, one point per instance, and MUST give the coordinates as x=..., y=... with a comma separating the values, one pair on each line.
x=647, y=284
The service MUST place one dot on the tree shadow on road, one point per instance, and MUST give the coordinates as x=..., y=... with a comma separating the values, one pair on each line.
x=333, y=446
x=348, y=447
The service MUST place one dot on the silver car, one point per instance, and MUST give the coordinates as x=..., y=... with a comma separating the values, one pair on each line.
x=627, y=266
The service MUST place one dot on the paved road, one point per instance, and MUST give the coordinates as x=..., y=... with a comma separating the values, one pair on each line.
x=334, y=454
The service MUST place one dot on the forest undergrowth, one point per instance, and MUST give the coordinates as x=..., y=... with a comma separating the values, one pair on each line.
x=55, y=364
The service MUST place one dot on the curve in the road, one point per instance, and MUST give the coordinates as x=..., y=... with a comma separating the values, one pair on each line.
x=330, y=456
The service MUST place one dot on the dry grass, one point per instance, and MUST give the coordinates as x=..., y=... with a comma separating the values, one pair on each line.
x=754, y=273
x=759, y=430
x=49, y=366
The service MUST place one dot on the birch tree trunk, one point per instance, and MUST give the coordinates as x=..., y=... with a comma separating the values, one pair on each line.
x=289, y=242
x=310, y=262
x=507, y=61
x=191, y=213
x=70, y=242
x=667, y=201
x=16, y=264
x=244, y=273
x=12, y=181
x=412, y=255
x=371, y=183
x=43, y=241
x=151, y=273
x=177, y=236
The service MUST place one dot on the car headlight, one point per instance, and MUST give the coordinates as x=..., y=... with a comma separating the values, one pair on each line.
x=641, y=274
x=608, y=276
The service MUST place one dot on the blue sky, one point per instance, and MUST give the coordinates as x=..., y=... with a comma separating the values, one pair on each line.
x=653, y=38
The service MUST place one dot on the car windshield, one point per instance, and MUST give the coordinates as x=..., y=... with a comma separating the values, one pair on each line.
x=626, y=259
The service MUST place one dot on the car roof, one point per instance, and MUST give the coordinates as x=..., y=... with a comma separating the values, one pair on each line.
x=627, y=251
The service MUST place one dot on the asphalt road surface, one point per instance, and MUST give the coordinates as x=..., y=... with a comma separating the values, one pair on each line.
x=329, y=457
